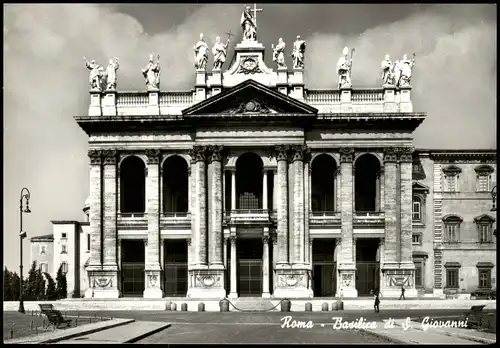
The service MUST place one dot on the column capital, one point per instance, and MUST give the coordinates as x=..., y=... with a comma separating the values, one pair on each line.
x=390, y=155
x=299, y=153
x=346, y=155
x=275, y=241
x=198, y=153
x=110, y=156
x=215, y=153
x=145, y=242
x=282, y=152
x=95, y=156
x=188, y=241
x=232, y=239
x=311, y=241
x=405, y=154
x=146, y=172
x=153, y=156
x=119, y=241
x=338, y=241
x=265, y=239
x=381, y=242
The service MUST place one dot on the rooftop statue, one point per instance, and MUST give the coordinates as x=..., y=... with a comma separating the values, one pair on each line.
x=249, y=23
x=111, y=74
x=344, y=65
x=220, y=52
x=299, y=48
x=388, y=73
x=279, y=54
x=405, y=66
x=201, y=54
x=96, y=74
x=152, y=73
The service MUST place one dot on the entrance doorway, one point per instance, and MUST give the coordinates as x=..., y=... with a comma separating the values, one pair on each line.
x=132, y=274
x=176, y=267
x=250, y=263
x=324, y=268
x=367, y=266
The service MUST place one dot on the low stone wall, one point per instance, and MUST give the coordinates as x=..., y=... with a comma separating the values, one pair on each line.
x=213, y=305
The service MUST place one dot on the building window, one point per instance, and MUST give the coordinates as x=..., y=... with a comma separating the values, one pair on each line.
x=452, y=228
x=451, y=176
x=485, y=278
x=44, y=267
x=416, y=238
x=483, y=178
x=484, y=225
x=63, y=235
x=417, y=210
x=43, y=249
x=419, y=275
x=64, y=267
x=64, y=249
x=452, y=278
x=88, y=242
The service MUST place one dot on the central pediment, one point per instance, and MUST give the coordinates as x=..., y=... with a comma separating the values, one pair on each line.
x=250, y=98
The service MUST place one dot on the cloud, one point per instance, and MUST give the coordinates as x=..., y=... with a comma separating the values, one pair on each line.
x=454, y=79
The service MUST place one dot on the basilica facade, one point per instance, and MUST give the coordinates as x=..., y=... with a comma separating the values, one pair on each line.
x=253, y=185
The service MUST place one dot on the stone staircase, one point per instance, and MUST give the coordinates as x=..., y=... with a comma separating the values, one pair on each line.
x=253, y=304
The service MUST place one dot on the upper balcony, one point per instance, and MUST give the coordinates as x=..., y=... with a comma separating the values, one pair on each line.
x=369, y=218
x=249, y=216
x=324, y=218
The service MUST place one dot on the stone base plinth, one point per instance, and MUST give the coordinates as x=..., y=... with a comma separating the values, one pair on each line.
x=291, y=283
x=346, y=287
x=152, y=282
x=266, y=295
x=106, y=293
x=207, y=283
x=393, y=279
x=103, y=282
x=153, y=293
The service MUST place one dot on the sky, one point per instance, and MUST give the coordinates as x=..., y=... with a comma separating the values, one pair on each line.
x=46, y=82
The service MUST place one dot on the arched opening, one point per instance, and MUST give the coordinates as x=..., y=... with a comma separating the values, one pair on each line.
x=323, y=183
x=249, y=168
x=132, y=185
x=175, y=185
x=367, y=184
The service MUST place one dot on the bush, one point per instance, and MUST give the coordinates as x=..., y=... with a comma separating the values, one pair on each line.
x=50, y=292
x=62, y=286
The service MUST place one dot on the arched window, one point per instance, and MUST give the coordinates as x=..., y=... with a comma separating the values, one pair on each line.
x=451, y=176
x=323, y=182
x=484, y=224
x=483, y=178
x=132, y=185
x=367, y=183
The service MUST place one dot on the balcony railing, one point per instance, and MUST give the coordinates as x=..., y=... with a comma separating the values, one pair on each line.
x=131, y=215
x=249, y=211
x=183, y=214
x=369, y=217
x=135, y=99
x=369, y=213
x=325, y=213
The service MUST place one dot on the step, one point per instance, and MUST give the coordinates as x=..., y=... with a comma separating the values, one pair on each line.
x=124, y=334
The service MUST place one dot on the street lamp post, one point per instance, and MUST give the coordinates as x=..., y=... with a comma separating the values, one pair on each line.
x=25, y=193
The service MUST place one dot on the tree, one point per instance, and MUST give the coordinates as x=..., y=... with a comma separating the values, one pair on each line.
x=15, y=284
x=7, y=285
x=30, y=286
x=50, y=292
x=39, y=285
x=62, y=286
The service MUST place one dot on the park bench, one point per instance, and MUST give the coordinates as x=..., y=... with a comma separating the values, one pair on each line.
x=54, y=316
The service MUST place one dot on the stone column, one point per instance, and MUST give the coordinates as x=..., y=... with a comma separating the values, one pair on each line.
x=337, y=257
x=298, y=197
x=338, y=190
x=347, y=267
x=377, y=193
x=120, y=268
x=307, y=200
x=153, y=269
x=234, y=291
x=310, y=247
x=233, y=188
x=265, y=268
x=200, y=207
x=282, y=224
x=190, y=261
x=335, y=173
x=275, y=257
x=275, y=189
x=264, y=189
x=215, y=242
x=190, y=192
x=110, y=234
x=95, y=209
x=390, y=158
x=405, y=159
x=381, y=260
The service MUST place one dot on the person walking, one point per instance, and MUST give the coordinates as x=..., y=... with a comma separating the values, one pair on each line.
x=377, y=302
x=402, y=293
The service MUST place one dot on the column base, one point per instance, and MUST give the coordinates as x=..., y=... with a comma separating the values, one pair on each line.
x=152, y=282
x=395, y=277
x=106, y=293
x=207, y=283
x=266, y=295
x=347, y=285
x=89, y=293
x=103, y=283
x=233, y=295
x=291, y=283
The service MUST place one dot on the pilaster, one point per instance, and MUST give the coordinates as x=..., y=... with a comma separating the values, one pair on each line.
x=95, y=103
x=345, y=99
x=265, y=267
x=406, y=166
x=109, y=103
x=299, y=152
x=215, y=243
x=234, y=291
x=390, y=99
x=347, y=267
x=390, y=201
x=282, y=199
x=153, y=101
x=153, y=269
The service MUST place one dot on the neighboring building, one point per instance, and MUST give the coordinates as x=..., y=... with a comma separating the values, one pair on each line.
x=69, y=247
x=253, y=185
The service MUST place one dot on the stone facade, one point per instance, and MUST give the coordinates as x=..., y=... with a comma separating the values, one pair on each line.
x=284, y=126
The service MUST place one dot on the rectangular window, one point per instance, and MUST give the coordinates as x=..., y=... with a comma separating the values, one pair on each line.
x=451, y=183
x=485, y=278
x=63, y=235
x=63, y=249
x=452, y=278
x=43, y=249
x=483, y=183
x=44, y=267
x=416, y=216
x=64, y=267
x=452, y=233
x=416, y=239
x=484, y=233
x=418, y=274
x=88, y=242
